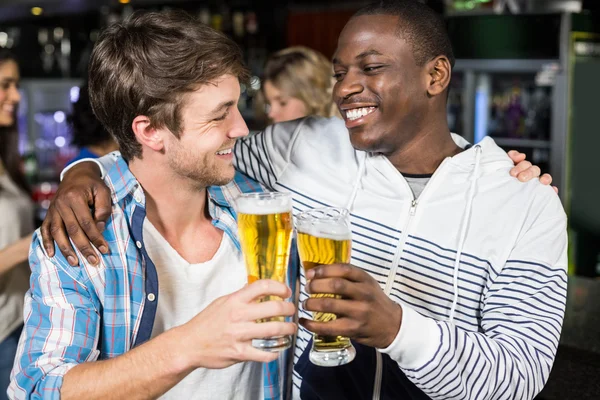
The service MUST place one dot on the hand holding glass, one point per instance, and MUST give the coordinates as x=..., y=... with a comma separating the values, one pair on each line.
x=324, y=237
x=265, y=231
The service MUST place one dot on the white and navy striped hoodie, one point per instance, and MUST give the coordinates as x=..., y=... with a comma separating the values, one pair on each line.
x=478, y=264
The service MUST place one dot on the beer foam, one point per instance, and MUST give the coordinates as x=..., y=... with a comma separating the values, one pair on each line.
x=326, y=230
x=263, y=206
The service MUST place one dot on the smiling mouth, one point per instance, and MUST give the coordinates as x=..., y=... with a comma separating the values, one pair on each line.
x=224, y=152
x=356, y=113
x=8, y=108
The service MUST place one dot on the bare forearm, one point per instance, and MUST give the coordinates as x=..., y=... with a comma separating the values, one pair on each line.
x=14, y=254
x=146, y=372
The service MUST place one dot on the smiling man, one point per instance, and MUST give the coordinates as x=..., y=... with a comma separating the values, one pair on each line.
x=457, y=287
x=167, y=89
x=457, y=284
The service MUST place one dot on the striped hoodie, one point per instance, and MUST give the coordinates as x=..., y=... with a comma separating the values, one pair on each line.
x=477, y=262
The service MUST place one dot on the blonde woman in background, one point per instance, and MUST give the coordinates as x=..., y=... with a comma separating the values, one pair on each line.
x=16, y=221
x=297, y=82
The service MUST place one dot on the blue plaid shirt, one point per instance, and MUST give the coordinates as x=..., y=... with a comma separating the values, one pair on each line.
x=80, y=314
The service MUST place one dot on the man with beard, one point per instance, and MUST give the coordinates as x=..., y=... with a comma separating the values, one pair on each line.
x=167, y=89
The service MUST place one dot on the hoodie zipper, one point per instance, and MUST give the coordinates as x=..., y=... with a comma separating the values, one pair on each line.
x=406, y=229
x=396, y=261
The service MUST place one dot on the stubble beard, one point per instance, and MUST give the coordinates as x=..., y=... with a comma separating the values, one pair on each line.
x=199, y=172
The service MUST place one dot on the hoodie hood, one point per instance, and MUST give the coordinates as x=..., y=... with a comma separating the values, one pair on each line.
x=493, y=157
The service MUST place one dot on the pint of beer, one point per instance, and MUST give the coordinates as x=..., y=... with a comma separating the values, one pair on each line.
x=324, y=237
x=265, y=231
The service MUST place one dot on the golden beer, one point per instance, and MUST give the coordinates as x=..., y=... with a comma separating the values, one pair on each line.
x=265, y=231
x=315, y=251
x=266, y=240
x=324, y=237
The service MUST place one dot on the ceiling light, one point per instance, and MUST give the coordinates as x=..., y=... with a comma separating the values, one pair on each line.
x=37, y=10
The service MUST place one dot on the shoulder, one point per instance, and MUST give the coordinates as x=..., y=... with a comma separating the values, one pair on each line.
x=324, y=131
x=545, y=203
x=310, y=130
x=54, y=272
x=533, y=201
x=539, y=198
x=322, y=141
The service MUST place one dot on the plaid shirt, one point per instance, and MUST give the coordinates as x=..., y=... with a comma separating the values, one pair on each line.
x=80, y=314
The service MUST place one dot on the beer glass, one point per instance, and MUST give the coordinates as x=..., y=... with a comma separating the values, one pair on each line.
x=324, y=237
x=265, y=230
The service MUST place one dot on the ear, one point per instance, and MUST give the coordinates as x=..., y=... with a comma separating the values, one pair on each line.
x=146, y=134
x=439, y=71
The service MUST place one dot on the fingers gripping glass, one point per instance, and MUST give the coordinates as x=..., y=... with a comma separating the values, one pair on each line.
x=265, y=231
x=324, y=237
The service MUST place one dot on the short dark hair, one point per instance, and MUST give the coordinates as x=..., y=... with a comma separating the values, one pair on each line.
x=422, y=28
x=85, y=127
x=144, y=65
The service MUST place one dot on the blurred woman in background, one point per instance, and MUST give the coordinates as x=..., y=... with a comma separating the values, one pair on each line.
x=16, y=222
x=297, y=82
x=88, y=133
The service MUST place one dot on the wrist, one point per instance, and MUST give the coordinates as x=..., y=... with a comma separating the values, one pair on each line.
x=396, y=323
x=176, y=344
x=85, y=165
x=417, y=342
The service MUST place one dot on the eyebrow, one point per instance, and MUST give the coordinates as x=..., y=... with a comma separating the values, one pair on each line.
x=222, y=106
x=368, y=53
x=362, y=55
